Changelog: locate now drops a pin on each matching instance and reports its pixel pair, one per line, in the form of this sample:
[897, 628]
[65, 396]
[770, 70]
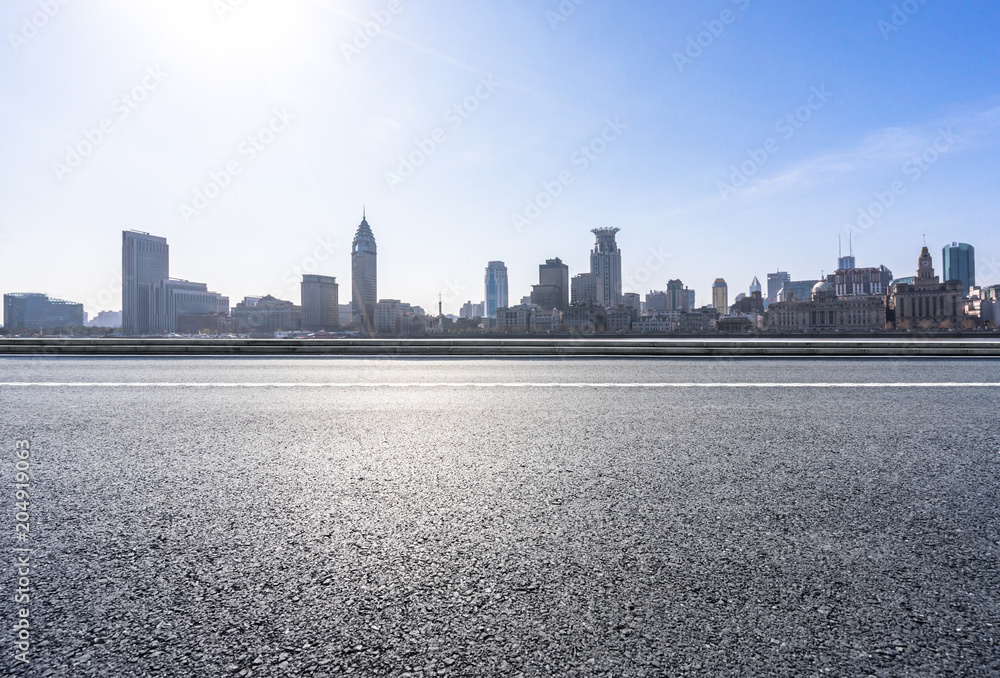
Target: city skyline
[482, 152]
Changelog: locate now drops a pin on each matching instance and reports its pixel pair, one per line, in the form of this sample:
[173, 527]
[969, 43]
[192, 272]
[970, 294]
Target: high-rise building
[633, 301]
[755, 285]
[320, 302]
[33, 311]
[145, 264]
[606, 264]
[496, 288]
[959, 264]
[775, 281]
[677, 296]
[720, 296]
[178, 299]
[554, 273]
[364, 277]
[587, 288]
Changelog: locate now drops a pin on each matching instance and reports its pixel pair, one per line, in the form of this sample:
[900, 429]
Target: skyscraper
[555, 273]
[364, 277]
[959, 264]
[775, 281]
[320, 302]
[606, 264]
[755, 285]
[496, 288]
[720, 296]
[145, 264]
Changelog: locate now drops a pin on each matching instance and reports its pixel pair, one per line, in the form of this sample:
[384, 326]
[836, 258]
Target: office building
[554, 273]
[678, 296]
[364, 276]
[145, 265]
[606, 264]
[33, 311]
[587, 288]
[633, 301]
[755, 286]
[180, 298]
[796, 290]
[720, 296]
[320, 302]
[657, 302]
[495, 284]
[775, 281]
[546, 296]
[959, 263]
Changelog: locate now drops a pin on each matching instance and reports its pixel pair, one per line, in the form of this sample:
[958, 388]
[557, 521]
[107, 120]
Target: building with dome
[826, 312]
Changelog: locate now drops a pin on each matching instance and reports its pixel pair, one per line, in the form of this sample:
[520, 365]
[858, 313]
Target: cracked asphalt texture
[431, 531]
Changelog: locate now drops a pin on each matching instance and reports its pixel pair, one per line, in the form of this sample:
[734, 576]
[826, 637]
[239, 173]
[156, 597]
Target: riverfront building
[364, 277]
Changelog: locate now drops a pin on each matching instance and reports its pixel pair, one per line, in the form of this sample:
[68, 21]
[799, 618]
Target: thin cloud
[886, 147]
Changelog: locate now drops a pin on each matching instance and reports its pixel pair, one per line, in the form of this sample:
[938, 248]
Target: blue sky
[298, 120]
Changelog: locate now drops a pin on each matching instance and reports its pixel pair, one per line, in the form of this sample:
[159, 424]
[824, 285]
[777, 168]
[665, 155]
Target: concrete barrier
[525, 347]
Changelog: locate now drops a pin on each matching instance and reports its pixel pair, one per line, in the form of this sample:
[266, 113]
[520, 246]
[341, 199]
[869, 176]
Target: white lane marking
[515, 384]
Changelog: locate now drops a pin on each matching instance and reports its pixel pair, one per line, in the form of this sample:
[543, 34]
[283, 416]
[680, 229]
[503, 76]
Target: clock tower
[925, 267]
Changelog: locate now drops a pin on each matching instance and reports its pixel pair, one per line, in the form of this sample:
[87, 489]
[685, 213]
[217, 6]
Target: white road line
[649, 385]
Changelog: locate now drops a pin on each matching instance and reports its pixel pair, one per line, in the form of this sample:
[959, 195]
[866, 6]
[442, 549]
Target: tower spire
[363, 216]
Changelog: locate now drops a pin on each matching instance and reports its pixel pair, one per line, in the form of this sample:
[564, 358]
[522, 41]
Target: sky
[725, 138]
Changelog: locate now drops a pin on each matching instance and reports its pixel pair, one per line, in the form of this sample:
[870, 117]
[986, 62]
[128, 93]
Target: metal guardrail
[504, 347]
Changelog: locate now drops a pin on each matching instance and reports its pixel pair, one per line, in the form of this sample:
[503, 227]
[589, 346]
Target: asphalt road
[239, 517]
